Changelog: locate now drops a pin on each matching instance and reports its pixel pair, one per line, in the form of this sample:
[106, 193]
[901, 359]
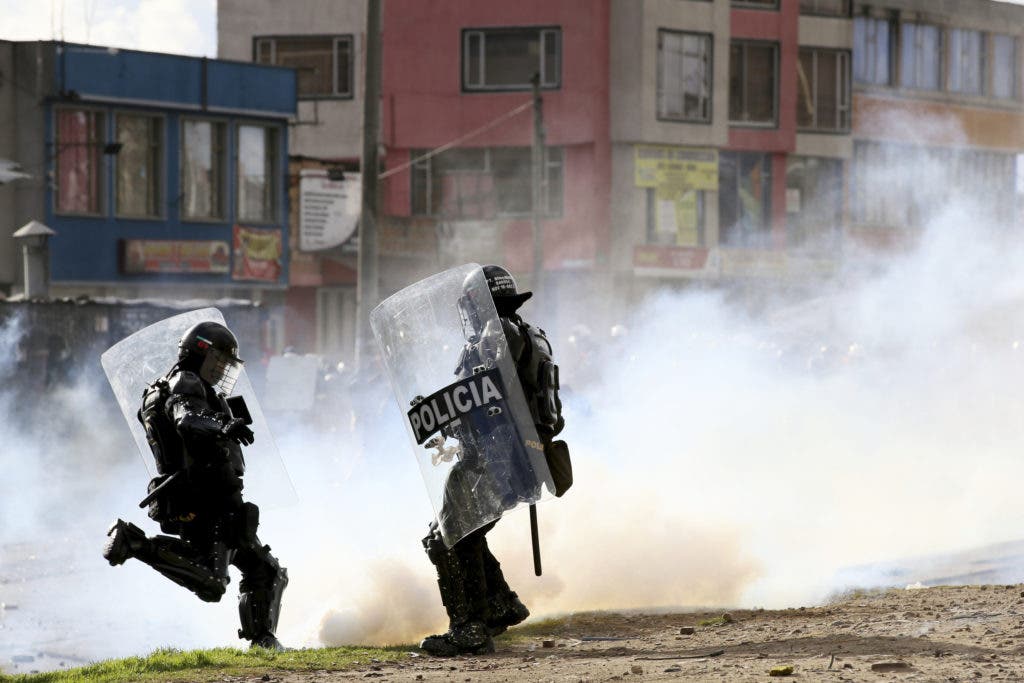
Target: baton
[536, 540]
[155, 492]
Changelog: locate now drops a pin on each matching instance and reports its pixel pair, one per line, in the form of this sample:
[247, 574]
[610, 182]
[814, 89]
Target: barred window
[823, 86]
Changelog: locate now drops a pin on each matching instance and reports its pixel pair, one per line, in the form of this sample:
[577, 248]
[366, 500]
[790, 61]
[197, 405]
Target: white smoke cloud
[722, 456]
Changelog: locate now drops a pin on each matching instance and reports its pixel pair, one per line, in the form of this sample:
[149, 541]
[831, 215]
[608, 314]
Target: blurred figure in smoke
[196, 434]
[477, 598]
[581, 356]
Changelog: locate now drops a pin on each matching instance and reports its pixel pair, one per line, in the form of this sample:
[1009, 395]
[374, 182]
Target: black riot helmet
[211, 350]
[503, 289]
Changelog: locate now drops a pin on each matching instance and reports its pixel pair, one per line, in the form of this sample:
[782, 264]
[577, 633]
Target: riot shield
[465, 411]
[136, 361]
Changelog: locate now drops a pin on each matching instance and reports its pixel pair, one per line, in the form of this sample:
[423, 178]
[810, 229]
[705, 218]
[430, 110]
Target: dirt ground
[932, 634]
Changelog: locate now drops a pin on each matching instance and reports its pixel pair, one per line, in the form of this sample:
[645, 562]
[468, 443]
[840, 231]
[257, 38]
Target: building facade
[474, 94]
[732, 166]
[735, 143]
[163, 176]
[937, 113]
[323, 41]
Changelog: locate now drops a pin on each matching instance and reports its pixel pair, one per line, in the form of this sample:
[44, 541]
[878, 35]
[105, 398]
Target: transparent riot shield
[136, 361]
[465, 412]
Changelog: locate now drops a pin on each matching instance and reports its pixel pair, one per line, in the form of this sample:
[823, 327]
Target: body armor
[538, 374]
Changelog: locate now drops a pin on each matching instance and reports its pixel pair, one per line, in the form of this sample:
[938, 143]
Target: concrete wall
[25, 76]
[324, 128]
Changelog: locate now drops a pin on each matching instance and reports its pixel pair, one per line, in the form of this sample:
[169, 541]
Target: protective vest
[539, 377]
[161, 435]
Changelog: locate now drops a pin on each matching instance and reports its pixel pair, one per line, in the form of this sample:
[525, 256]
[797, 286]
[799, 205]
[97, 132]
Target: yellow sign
[676, 169]
[677, 175]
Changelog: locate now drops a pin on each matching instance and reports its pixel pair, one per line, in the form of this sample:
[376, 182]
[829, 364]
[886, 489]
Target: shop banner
[676, 168]
[175, 256]
[257, 254]
[678, 175]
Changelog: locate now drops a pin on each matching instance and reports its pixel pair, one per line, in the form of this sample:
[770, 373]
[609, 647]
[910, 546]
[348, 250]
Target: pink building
[451, 68]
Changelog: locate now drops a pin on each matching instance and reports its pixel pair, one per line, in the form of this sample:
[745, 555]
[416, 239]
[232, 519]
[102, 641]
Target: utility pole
[367, 284]
[537, 185]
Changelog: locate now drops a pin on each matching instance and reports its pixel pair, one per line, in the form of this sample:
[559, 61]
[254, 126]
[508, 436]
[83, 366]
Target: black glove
[236, 430]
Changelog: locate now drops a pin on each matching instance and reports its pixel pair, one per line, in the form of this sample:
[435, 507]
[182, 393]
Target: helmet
[503, 288]
[211, 350]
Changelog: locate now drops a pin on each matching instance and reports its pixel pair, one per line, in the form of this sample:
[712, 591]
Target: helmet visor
[221, 370]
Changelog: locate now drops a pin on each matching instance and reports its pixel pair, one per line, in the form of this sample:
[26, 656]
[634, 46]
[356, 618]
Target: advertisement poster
[257, 254]
[328, 209]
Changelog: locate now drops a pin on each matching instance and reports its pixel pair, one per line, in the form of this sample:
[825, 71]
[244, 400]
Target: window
[826, 8]
[886, 194]
[872, 40]
[744, 199]
[814, 201]
[202, 169]
[507, 59]
[756, 4]
[679, 221]
[965, 61]
[323, 64]
[823, 84]
[920, 56]
[257, 174]
[1004, 62]
[752, 69]
[79, 161]
[684, 76]
[480, 183]
[138, 179]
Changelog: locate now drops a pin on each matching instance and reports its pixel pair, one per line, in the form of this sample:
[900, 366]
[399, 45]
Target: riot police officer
[479, 602]
[196, 435]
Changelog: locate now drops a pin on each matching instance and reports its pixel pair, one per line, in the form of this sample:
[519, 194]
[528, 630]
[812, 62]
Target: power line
[454, 143]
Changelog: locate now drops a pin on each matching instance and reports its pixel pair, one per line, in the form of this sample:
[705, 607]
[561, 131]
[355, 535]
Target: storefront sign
[651, 259]
[680, 168]
[328, 209]
[257, 254]
[678, 176]
[175, 256]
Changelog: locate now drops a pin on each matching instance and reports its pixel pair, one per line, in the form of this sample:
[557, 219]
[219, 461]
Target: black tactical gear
[195, 438]
[473, 589]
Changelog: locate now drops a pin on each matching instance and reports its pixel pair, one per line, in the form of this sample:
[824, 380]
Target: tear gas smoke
[722, 457]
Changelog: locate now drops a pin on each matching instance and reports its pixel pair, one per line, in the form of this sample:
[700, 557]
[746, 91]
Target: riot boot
[467, 633]
[124, 540]
[172, 557]
[259, 609]
[504, 608]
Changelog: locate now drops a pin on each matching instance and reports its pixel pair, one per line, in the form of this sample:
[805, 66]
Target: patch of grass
[207, 665]
[715, 621]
